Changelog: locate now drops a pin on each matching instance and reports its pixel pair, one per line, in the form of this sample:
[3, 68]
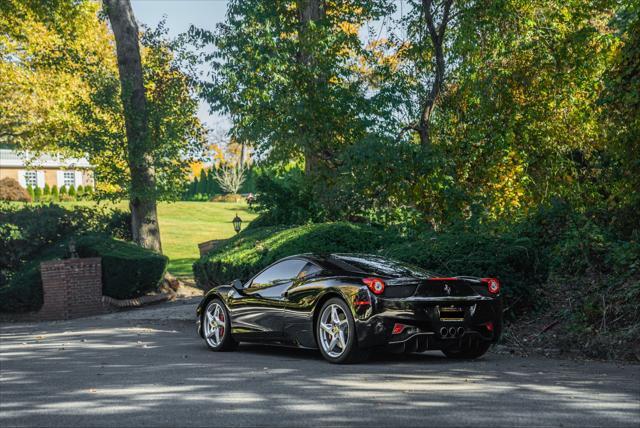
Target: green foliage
[174, 129]
[514, 260]
[54, 192]
[63, 190]
[292, 87]
[26, 230]
[31, 192]
[37, 193]
[206, 186]
[255, 248]
[128, 271]
[72, 191]
[286, 199]
[47, 190]
[554, 242]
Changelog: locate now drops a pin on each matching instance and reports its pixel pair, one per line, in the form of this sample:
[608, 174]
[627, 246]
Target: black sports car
[348, 304]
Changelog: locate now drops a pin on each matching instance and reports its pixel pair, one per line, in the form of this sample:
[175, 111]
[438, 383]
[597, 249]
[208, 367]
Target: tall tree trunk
[142, 199]
[309, 11]
[436, 34]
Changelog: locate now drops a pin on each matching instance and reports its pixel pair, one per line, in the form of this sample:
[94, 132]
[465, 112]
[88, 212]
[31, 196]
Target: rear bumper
[427, 323]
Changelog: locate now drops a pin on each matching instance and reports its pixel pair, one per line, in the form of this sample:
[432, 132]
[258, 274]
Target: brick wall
[72, 288]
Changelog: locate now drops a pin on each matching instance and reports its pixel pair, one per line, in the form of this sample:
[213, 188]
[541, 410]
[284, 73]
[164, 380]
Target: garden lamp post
[237, 223]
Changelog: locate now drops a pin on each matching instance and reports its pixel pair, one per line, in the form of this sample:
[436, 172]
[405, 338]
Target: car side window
[308, 270]
[285, 270]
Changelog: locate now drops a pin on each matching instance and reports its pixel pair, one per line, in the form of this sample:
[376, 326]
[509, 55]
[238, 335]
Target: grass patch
[184, 224]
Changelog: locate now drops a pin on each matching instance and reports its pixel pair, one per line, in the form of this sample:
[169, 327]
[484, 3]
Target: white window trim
[79, 178]
[21, 178]
[40, 181]
[60, 178]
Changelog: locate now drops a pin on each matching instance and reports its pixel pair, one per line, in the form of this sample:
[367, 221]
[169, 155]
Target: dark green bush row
[128, 271]
[513, 260]
[26, 230]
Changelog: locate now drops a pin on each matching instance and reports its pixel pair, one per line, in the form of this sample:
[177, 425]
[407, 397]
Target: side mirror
[237, 284]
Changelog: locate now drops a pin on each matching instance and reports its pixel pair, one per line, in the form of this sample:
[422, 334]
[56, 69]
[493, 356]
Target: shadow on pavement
[125, 372]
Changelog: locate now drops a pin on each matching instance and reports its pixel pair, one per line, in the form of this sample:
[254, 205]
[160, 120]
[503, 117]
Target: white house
[45, 169]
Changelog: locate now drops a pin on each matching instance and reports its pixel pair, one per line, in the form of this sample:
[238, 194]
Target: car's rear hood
[462, 287]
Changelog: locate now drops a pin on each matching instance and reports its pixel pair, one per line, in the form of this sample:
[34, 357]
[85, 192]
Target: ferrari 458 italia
[347, 305]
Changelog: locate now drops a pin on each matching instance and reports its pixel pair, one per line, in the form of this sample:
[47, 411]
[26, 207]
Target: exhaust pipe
[460, 331]
[452, 331]
[443, 332]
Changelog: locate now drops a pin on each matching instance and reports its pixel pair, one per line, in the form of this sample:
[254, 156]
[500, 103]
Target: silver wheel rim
[214, 324]
[334, 331]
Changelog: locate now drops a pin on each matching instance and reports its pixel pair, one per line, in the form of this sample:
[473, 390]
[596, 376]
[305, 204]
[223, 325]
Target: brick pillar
[72, 288]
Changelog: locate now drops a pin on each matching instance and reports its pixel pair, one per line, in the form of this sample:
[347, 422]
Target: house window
[30, 178]
[69, 178]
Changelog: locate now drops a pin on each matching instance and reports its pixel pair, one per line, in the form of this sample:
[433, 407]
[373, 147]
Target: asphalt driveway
[148, 367]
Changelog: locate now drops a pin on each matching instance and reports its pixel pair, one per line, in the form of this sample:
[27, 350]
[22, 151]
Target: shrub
[128, 271]
[47, 190]
[513, 261]
[11, 190]
[253, 249]
[54, 192]
[31, 192]
[286, 199]
[72, 191]
[37, 193]
[25, 230]
[63, 190]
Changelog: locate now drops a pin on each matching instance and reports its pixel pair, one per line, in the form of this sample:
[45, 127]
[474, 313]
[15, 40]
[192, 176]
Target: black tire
[468, 351]
[351, 353]
[226, 342]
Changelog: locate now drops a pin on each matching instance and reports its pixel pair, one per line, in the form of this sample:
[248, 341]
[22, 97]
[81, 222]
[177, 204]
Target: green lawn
[184, 224]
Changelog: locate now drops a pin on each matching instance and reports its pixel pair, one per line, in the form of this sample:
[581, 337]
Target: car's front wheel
[336, 333]
[217, 327]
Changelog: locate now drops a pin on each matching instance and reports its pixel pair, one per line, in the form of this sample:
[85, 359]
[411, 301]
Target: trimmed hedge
[513, 260]
[128, 271]
[26, 230]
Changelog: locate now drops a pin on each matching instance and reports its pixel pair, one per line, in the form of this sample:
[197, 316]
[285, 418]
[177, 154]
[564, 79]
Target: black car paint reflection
[281, 305]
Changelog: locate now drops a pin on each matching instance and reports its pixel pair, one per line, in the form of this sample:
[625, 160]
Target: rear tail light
[376, 285]
[493, 285]
[489, 325]
[398, 328]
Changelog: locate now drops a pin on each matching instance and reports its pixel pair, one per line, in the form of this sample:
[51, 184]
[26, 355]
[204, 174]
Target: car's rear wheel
[468, 351]
[217, 327]
[336, 333]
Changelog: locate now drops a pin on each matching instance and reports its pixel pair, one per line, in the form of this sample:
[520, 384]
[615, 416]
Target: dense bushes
[554, 243]
[31, 234]
[286, 199]
[26, 230]
[513, 260]
[128, 271]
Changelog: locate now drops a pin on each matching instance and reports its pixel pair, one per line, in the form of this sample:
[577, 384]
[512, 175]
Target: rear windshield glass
[376, 265]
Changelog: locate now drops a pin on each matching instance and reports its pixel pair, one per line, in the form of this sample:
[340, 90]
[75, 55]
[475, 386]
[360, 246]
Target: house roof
[13, 158]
